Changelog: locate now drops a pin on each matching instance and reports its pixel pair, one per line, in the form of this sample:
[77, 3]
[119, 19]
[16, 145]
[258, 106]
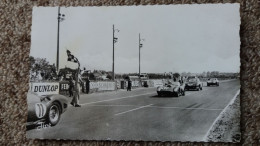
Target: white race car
[171, 88]
[213, 81]
[45, 109]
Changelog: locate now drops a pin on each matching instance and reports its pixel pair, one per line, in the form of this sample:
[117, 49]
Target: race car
[193, 83]
[45, 109]
[213, 81]
[171, 88]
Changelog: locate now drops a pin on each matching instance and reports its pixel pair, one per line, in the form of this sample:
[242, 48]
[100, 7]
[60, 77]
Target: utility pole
[139, 56]
[113, 66]
[140, 46]
[58, 41]
[60, 18]
[114, 41]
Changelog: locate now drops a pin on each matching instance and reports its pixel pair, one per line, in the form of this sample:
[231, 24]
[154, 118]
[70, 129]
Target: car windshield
[193, 80]
[212, 79]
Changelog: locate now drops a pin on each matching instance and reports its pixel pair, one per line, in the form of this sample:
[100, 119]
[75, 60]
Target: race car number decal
[40, 110]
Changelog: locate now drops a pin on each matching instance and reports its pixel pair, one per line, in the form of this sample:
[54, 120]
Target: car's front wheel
[54, 114]
[159, 93]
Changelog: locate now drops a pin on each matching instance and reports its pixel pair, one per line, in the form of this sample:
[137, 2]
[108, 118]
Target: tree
[208, 74]
[92, 76]
[109, 77]
[32, 61]
[40, 66]
[176, 75]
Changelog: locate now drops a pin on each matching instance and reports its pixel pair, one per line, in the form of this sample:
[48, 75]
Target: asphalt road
[141, 115]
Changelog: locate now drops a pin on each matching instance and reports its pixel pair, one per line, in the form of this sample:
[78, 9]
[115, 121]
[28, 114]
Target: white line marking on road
[231, 102]
[133, 109]
[114, 105]
[163, 107]
[117, 98]
[209, 109]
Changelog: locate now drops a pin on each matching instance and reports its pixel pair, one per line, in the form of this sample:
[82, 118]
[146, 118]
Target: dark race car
[193, 83]
[213, 81]
[171, 88]
[45, 109]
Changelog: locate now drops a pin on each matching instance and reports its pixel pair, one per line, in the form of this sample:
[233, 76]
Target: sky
[177, 38]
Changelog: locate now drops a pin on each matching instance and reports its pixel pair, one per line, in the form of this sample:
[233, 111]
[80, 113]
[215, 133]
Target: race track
[142, 115]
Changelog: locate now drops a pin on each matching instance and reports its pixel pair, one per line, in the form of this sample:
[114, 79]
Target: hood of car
[191, 82]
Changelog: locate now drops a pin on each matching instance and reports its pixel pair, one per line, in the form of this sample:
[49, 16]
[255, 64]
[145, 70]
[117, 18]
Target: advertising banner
[45, 88]
[156, 83]
[135, 83]
[102, 86]
[64, 86]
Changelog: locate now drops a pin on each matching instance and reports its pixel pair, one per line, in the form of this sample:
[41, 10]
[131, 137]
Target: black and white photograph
[139, 73]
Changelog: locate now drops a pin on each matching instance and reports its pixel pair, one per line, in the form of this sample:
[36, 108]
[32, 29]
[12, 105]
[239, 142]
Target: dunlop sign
[45, 88]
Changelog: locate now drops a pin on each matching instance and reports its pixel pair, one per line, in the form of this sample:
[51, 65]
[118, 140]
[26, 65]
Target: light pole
[140, 46]
[114, 41]
[61, 17]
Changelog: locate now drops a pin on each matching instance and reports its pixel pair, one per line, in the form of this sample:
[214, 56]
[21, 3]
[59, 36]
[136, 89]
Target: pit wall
[44, 88]
[101, 86]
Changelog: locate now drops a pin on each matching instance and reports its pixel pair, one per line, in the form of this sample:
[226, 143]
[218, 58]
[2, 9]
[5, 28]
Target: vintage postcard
[150, 73]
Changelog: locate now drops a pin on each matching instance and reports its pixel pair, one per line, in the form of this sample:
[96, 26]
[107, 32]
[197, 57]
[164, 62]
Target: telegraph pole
[58, 42]
[60, 18]
[114, 41]
[140, 46]
[139, 55]
[113, 66]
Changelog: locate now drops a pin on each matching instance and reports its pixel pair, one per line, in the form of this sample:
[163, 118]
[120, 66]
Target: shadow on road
[211, 86]
[194, 90]
[30, 127]
[164, 96]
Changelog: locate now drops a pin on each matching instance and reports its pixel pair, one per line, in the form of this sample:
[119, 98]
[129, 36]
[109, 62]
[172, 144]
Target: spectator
[71, 86]
[129, 85]
[87, 85]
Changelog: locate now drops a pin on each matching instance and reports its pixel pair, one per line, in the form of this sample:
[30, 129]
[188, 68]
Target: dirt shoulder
[227, 127]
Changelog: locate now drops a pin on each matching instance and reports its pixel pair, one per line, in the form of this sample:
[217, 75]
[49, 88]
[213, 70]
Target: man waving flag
[78, 80]
[71, 57]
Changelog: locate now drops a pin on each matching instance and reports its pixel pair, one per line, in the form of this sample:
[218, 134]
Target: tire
[207, 84]
[200, 87]
[177, 94]
[53, 115]
[183, 93]
[217, 84]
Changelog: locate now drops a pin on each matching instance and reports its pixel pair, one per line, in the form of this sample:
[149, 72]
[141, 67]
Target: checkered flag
[71, 57]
